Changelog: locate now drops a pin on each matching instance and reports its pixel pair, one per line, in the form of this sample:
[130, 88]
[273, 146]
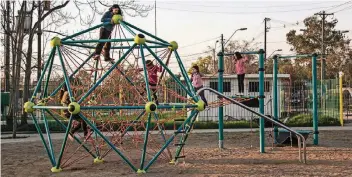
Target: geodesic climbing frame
[114, 99]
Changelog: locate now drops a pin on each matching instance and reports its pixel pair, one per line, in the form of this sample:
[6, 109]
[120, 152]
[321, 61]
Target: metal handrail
[300, 138]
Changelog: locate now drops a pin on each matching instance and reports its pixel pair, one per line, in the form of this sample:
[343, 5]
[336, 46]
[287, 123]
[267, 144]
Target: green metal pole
[51, 57]
[138, 29]
[76, 71]
[98, 40]
[48, 135]
[48, 79]
[160, 128]
[315, 99]
[183, 139]
[108, 142]
[149, 115]
[93, 112]
[77, 140]
[43, 140]
[84, 31]
[171, 73]
[261, 99]
[128, 29]
[159, 43]
[145, 74]
[275, 99]
[106, 74]
[67, 81]
[145, 143]
[220, 89]
[80, 45]
[64, 142]
[193, 113]
[184, 72]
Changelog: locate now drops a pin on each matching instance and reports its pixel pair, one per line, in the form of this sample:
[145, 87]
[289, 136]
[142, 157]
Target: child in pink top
[197, 82]
[239, 63]
[152, 71]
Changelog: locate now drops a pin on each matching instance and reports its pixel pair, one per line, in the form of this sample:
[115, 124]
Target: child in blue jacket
[105, 32]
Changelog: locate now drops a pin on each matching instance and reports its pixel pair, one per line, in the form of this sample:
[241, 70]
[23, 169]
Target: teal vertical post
[64, 143]
[275, 100]
[48, 79]
[43, 140]
[221, 108]
[51, 57]
[315, 99]
[261, 100]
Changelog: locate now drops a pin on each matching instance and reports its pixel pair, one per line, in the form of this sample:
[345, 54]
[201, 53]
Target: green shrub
[307, 120]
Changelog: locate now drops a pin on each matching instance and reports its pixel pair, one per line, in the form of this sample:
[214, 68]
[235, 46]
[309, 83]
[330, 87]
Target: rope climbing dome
[115, 100]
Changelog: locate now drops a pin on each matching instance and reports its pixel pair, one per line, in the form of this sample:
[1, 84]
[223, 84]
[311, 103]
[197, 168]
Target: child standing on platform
[105, 33]
[240, 68]
[197, 82]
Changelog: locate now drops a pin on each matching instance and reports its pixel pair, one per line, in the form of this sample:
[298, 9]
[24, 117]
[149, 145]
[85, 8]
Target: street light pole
[277, 50]
[214, 51]
[240, 29]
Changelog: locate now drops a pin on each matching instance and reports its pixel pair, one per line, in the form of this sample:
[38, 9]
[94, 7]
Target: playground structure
[116, 102]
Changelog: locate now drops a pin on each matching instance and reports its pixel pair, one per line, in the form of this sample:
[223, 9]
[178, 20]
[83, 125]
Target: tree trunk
[27, 77]
[17, 55]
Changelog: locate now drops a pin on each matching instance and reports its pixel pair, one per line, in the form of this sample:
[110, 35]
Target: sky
[195, 25]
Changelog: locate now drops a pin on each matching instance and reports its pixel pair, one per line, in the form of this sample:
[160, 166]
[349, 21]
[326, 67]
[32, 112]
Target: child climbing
[240, 68]
[197, 82]
[153, 78]
[77, 121]
[105, 33]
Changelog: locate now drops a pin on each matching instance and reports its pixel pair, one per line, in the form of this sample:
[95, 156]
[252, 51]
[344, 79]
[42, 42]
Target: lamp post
[214, 50]
[277, 50]
[240, 29]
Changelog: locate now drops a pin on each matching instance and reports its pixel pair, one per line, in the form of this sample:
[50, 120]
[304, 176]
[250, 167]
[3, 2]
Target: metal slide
[300, 138]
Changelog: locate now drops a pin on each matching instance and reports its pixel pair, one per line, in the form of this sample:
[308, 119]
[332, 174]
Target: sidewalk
[58, 136]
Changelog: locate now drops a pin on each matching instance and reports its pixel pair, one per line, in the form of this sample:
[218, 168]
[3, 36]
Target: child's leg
[153, 89]
[107, 46]
[104, 34]
[85, 128]
[242, 83]
[239, 83]
[202, 96]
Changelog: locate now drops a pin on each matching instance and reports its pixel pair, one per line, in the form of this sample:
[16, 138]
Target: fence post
[341, 97]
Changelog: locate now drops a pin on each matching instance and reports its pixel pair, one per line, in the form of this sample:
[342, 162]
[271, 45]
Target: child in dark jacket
[65, 101]
[105, 32]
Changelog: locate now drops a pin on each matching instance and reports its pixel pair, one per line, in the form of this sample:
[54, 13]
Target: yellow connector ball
[56, 170]
[74, 108]
[98, 160]
[139, 171]
[174, 45]
[150, 107]
[28, 107]
[200, 105]
[117, 18]
[172, 162]
[139, 39]
[56, 41]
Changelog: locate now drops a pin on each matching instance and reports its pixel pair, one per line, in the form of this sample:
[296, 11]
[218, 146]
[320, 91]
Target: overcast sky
[198, 24]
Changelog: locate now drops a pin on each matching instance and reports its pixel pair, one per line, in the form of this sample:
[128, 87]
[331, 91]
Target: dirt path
[333, 157]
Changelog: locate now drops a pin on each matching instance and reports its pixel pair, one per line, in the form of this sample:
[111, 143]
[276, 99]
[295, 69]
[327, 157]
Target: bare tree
[22, 54]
